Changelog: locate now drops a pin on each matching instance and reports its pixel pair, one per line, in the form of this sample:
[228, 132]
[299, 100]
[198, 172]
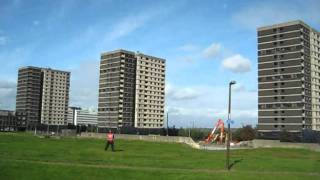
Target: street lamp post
[229, 119]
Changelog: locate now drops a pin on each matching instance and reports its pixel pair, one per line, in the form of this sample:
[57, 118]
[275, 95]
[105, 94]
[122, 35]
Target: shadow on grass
[235, 162]
[118, 150]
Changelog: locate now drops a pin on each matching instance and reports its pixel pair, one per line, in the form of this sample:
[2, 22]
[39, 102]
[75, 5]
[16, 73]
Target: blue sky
[206, 44]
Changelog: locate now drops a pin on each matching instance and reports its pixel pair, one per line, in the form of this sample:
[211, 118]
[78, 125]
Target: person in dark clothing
[110, 141]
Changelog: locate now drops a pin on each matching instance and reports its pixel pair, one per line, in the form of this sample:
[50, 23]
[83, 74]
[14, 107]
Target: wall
[154, 138]
[259, 143]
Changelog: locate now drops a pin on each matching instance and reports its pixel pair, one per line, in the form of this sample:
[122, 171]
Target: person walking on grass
[110, 141]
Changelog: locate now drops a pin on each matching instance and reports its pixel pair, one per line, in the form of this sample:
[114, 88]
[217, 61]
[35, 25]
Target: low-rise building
[78, 116]
[12, 121]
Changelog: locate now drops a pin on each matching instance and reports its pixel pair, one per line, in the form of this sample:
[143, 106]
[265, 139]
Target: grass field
[24, 156]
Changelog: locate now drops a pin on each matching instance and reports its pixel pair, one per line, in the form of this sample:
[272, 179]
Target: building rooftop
[131, 52]
[118, 50]
[153, 57]
[284, 24]
[41, 68]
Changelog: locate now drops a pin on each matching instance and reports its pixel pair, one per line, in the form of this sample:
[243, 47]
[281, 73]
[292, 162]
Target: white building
[78, 116]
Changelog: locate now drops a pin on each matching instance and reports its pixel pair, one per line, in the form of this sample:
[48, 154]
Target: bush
[285, 136]
[246, 133]
[195, 133]
[310, 136]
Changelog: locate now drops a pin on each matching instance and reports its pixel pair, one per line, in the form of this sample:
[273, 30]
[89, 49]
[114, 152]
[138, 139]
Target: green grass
[24, 156]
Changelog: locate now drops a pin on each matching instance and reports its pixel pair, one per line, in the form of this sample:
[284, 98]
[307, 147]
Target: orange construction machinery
[213, 137]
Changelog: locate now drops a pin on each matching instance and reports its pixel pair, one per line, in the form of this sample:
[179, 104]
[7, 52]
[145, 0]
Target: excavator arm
[212, 136]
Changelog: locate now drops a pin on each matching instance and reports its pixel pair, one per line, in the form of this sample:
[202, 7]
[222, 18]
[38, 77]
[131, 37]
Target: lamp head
[232, 82]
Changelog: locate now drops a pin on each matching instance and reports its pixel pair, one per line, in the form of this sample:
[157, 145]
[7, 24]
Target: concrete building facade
[149, 95]
[116, 89]
[315, 77]
[72, 115]
[28, 98]
[78, 116]
[87, 117]
[286, 78]
[131, 90]
[43, 94]
[8, 120]
[55, 96]
[12, 121]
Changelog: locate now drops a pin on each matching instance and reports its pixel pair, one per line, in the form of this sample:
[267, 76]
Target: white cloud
[210, 105]
[58, 13]
[213, 50]
[7, 84]
[195, 53]
[83, 88]
[179, 94]
[206, 118]
[129, 24]
[126, 26]
[188, 47]
[7, 94]
[189, 59]
[266, 13]
[237, 64]
[84, 84]
[239, 88]
[3, 40]
[15, 57]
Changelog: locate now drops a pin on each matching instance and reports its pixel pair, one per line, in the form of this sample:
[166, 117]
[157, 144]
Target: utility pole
[167, 123]
[229, 132]
[48, 129]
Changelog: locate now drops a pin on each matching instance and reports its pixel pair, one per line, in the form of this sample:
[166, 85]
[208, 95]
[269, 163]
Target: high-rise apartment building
[117, 89]
[55, 96]
[149, 95]
[288, 77]
[43, 94]
[131, 90]
[29, 89]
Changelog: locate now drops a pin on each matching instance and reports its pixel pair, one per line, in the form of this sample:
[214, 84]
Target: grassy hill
[24, 156]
